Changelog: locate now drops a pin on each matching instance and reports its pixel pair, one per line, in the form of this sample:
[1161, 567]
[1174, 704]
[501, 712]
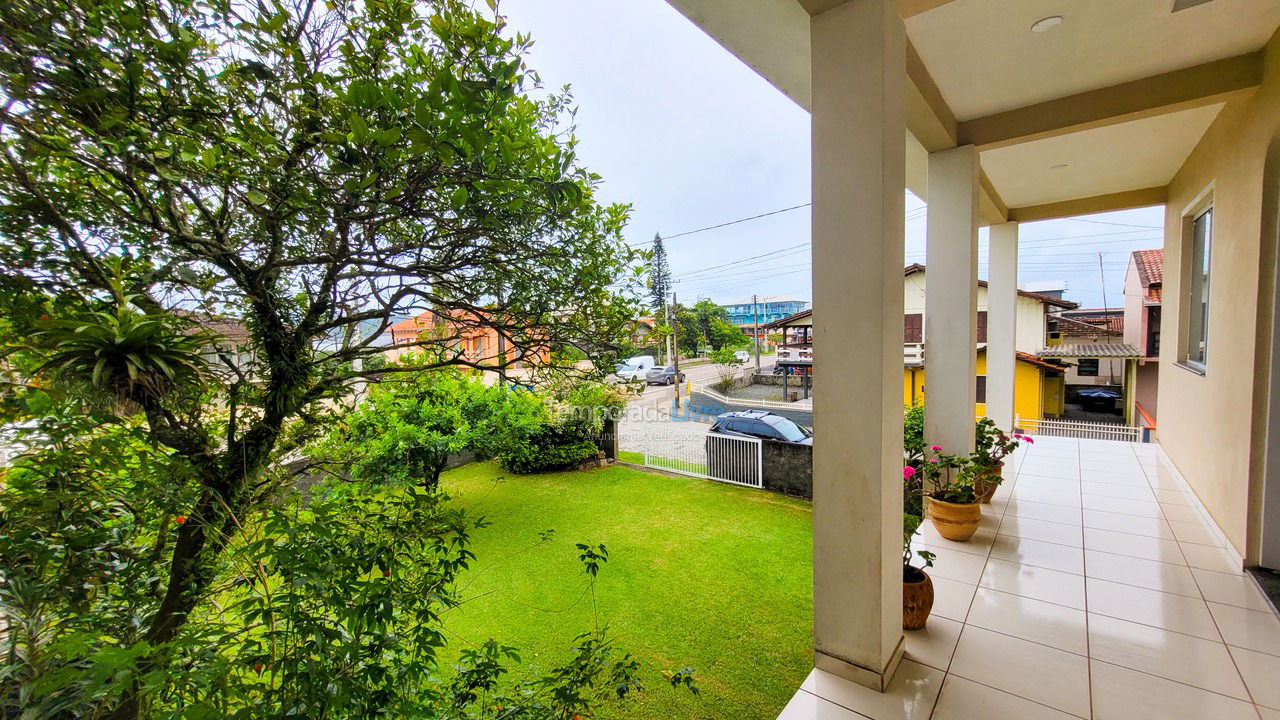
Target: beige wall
[1206, 420]
[1030, 313]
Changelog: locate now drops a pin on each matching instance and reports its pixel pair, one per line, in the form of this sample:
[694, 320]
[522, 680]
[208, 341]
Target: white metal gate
[727, 458]
[1081, 430]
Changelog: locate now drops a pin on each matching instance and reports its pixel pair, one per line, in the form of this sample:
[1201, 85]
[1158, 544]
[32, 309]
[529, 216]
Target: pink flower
[907, 472]
[936, 448]
[1029, 440]
[933, 460]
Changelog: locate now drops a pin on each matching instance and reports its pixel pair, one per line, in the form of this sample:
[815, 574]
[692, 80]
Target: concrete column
[1002, 322]
[859, 179]
[951, 299]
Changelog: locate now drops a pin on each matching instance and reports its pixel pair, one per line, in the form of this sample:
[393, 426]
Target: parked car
[761, 424]
[742, 355]
[634, 368]
[663, 375]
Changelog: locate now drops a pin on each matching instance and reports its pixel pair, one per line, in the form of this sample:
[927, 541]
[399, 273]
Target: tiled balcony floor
[1095, 588]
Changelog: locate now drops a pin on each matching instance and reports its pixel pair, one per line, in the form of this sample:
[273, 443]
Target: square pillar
[951, 299]
[1002, 322]
[859, 182]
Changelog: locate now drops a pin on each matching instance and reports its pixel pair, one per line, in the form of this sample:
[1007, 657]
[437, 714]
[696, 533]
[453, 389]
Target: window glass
[982, 388]
[1088, 367]
[1196, 352]
[762, 429]
[789, 431]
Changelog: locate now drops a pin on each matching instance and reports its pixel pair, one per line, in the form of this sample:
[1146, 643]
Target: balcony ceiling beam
[906, 8]
[1110, 202]
[1184, 89]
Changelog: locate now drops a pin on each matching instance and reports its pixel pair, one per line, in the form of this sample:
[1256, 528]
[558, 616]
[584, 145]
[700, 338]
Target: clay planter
[986, 484]
[953, 521]
[917, 598]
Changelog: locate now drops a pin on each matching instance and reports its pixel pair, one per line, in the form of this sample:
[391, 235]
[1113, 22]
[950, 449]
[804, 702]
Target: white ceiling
[985, 59]
[1129, 156]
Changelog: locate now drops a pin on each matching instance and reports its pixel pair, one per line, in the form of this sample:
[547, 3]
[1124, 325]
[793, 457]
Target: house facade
[1039, 390]
[1143, 296]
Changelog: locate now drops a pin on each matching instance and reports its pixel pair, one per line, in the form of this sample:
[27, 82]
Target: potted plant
[947, 483]
[917, 587]
[991, 446]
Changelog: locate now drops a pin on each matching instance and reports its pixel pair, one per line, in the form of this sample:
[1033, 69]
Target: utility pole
[675, 356]
[755, 331]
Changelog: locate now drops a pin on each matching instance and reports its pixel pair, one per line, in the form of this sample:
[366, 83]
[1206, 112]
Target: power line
[734, 222]
[736, 262]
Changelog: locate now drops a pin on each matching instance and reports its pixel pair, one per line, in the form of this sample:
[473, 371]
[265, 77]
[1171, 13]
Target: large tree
[660, 279]
[312, 172]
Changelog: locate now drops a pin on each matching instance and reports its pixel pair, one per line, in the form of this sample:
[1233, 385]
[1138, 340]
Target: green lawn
[700, 574]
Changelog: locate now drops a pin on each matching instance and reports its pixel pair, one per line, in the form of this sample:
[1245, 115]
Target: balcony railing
[913, 353]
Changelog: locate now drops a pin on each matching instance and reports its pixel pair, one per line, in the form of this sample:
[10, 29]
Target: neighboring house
[1038, 390]
[460, 331]
[1033, 311]
[750, 313]
[644, 326]
[1038, 382]
[1143, 294]
[1102, 370]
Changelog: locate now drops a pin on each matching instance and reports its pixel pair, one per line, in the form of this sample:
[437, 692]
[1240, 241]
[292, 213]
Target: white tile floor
[1095, 588]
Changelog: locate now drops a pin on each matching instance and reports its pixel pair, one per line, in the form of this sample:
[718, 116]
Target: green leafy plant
[992, 445]
[949, 478]
[911, 526]
[129, 354]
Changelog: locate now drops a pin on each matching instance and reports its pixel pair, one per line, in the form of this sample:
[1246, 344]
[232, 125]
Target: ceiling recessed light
[1046, 24]
[1059, 166]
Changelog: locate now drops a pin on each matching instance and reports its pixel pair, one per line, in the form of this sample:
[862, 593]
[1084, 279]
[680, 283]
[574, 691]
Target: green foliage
[991, 444]
[913, 433]
[307, 174]
[405, 430]
[129, 354]
[556, 429]
[329, 605]
[660, 279]
[910, 526]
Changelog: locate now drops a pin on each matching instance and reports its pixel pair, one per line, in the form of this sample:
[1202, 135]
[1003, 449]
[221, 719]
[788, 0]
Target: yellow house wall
[1205, 420]
[1031, 390]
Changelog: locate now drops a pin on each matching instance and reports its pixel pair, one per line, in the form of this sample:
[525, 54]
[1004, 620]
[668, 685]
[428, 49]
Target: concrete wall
[1205, 420]
[787, 468]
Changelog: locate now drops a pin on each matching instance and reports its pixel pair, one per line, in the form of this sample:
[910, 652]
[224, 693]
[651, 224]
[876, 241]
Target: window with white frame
[1196, 283]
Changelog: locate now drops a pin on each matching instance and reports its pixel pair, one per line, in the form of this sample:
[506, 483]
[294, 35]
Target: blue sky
[691, 137]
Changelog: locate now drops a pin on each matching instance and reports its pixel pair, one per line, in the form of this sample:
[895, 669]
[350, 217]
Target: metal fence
[1081, 430]
[726, 458]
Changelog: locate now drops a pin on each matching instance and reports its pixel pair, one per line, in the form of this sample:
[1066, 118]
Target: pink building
[1143, 284]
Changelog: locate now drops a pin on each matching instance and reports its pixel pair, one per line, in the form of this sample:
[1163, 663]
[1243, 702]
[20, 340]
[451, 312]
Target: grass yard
[700, 574]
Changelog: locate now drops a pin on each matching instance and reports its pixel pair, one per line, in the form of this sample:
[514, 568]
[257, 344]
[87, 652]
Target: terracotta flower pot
[917, 598]
[986, 484]
[955, 521]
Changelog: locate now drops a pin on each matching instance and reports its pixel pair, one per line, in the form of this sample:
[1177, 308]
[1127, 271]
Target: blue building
[765, 309]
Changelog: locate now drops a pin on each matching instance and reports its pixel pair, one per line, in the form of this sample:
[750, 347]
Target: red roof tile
[1150, 266]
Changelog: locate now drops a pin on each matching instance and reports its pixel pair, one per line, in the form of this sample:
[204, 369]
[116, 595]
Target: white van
[742, 355]
[634, 368]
